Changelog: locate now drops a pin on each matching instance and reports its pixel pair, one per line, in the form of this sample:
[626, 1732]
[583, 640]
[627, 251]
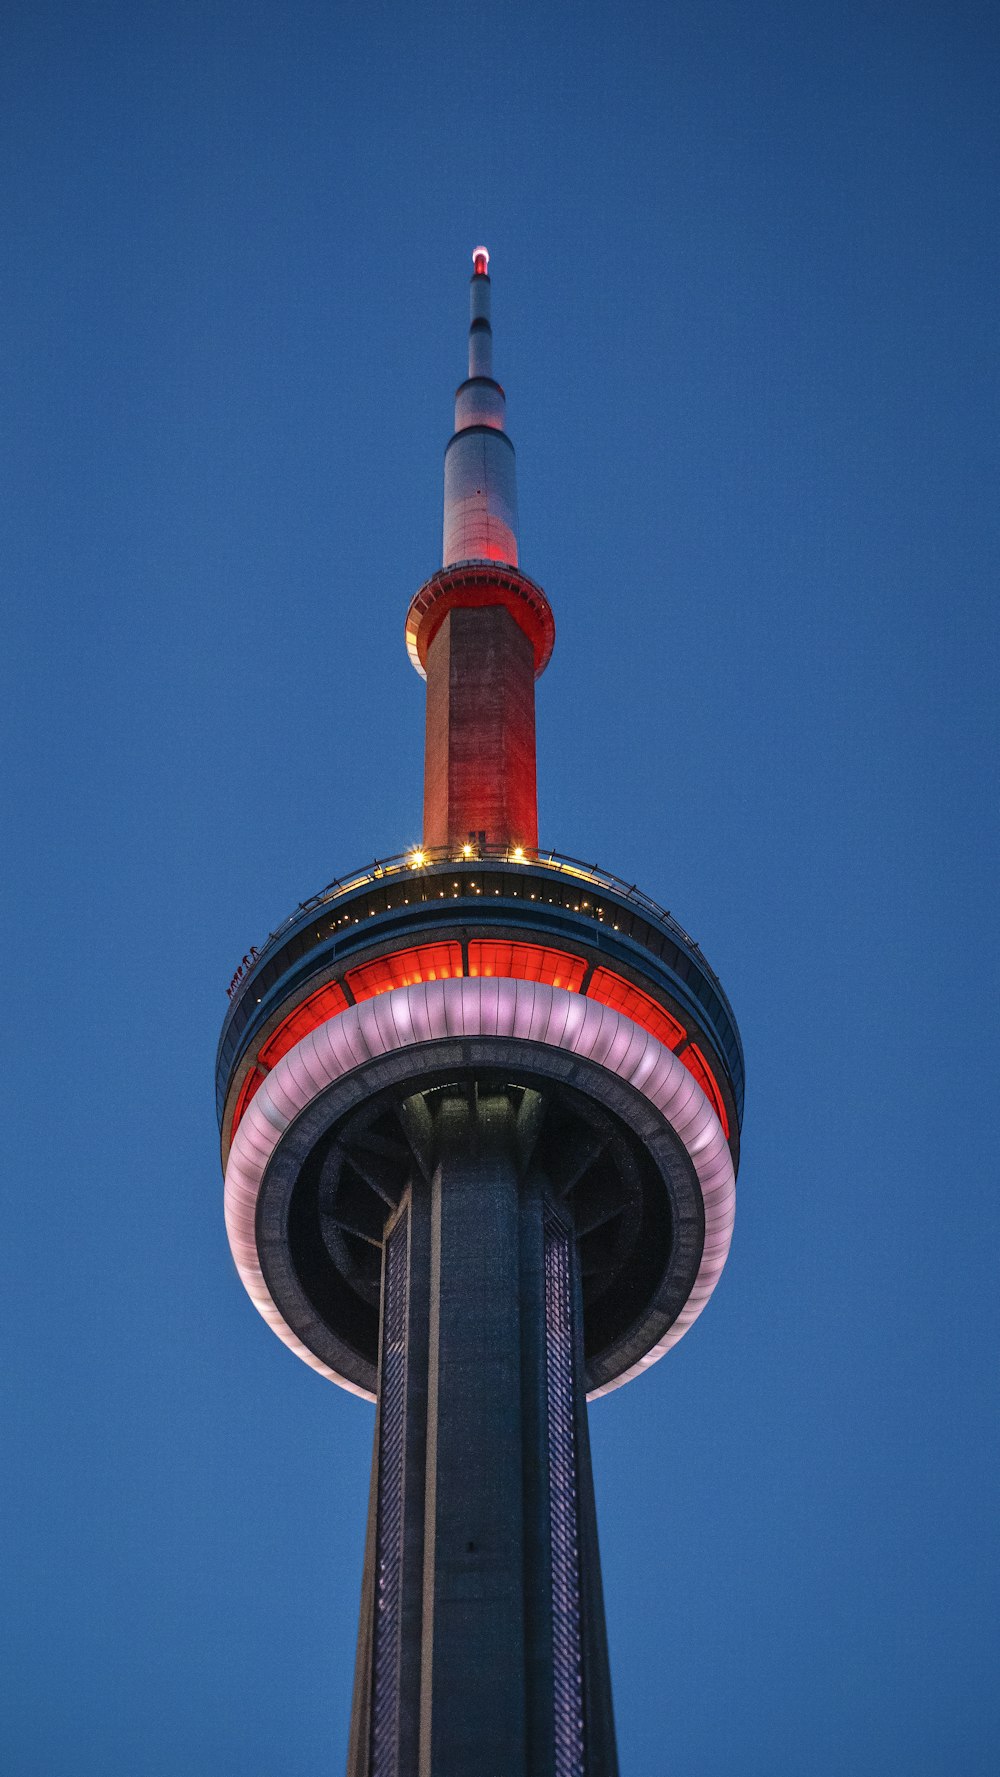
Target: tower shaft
[479, 761]
[481, 1645]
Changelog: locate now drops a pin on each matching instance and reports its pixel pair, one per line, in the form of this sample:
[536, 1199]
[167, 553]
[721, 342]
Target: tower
[480, 1108]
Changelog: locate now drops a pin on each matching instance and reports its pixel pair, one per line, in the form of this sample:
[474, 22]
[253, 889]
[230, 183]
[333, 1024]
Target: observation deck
[502, 960]
[414, 898]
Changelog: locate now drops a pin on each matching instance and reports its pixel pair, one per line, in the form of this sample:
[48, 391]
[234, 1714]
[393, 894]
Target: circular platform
[628, 1143]
[477, 583]
[423, 917]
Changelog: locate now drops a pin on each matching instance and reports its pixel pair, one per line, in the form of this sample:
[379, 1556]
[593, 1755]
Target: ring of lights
[533, 1013]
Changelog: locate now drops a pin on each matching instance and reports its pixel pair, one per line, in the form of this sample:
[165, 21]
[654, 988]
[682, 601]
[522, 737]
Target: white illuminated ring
[483, 1007]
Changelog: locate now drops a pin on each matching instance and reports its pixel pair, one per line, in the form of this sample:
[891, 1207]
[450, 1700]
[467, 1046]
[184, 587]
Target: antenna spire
[480, 482]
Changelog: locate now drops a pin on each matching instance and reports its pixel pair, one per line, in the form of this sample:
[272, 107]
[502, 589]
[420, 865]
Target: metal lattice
[567, 1651]
[389, 1527]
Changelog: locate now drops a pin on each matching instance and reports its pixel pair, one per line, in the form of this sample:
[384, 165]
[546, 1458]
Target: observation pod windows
[442, 961]
[527, 962]
[610, 990]
[405, 968]
[324, 1004]
[255, 1078]
[315, 1010]
[696, 1065]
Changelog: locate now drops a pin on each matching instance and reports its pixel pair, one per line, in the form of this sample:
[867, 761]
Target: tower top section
[479, 631]
[480, 544]
[478, 962]
[480, 483]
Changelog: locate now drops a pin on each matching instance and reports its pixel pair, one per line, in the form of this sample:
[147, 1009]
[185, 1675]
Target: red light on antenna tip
[481, 261]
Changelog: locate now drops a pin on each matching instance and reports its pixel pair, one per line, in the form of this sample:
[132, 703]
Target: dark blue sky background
[745, 269]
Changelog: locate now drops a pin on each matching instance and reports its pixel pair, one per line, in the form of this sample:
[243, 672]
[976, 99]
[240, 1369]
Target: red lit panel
[426, 962]
[621, 996]
[696, 1064]
[254, 1079]
[320, 1006]
[527, 962]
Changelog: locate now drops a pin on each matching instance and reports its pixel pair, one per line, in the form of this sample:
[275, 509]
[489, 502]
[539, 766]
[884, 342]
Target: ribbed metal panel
[567, 1650]
[389, 1532]
[481, 351]
[480, 498]
[479, 402]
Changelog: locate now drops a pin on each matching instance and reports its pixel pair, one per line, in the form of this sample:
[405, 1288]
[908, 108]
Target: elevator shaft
[482, 1645]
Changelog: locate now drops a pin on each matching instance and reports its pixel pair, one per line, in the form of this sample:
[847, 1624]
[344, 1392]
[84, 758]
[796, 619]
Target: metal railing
[421, 858]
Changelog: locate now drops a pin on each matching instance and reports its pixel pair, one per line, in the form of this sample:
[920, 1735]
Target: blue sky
[745, 273]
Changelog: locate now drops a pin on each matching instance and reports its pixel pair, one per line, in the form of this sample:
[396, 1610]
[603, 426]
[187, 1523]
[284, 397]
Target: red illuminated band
[401, 968]
[698, 1067]
[254, 1079]
[526, 962]
[325, 1003]
[489, 958]
[611, 990]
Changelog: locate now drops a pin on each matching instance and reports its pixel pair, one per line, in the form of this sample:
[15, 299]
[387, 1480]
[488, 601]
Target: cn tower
[480, 1107]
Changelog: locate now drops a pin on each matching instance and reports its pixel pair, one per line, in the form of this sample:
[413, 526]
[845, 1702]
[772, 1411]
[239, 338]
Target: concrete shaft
[482, 1642]
[479, 760]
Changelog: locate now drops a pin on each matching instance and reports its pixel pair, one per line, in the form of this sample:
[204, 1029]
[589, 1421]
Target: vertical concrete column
[475, 1698]
[601, 1746]
[479, 760]
[456, 1673]
[402, 1495]
[537, 1538]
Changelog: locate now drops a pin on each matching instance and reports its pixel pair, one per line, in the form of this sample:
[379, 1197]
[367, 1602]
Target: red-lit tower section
[480, 631]
[480, 1108]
